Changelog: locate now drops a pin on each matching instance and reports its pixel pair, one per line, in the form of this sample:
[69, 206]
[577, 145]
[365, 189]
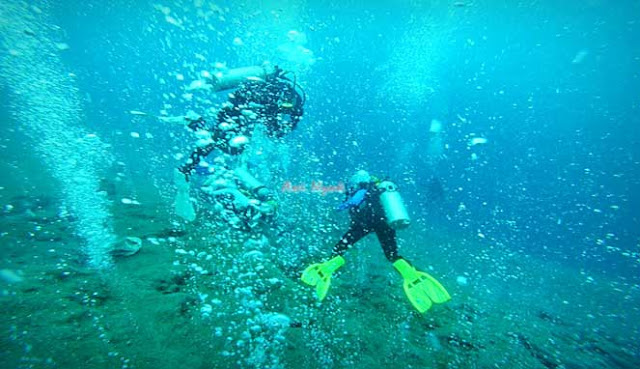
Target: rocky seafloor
[205, 297]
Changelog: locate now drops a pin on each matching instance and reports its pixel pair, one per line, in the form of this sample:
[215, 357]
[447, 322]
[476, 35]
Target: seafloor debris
[127, 247]
[537, 352]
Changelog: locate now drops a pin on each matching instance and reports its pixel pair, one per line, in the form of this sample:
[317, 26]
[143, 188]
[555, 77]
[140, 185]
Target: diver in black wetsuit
[268, 101]
[261, 97]
[376, 206]
[367, 215]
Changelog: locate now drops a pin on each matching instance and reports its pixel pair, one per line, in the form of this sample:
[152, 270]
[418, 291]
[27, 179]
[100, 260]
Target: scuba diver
[376, 206]
[264, 95]
[238, 199]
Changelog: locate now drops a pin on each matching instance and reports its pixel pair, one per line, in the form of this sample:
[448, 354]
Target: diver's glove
[205, 170]
[194, 121]
[183, 206]
[354, 201]
[269, 208]
[319, 275]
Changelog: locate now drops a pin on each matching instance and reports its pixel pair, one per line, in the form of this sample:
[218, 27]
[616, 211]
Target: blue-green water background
[536, 238]
[563, 137]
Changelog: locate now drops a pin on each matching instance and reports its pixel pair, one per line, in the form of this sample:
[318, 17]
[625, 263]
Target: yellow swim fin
[319, 275]
[422, 289]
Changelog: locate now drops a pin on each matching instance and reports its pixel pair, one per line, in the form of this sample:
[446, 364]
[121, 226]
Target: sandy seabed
[196, 297]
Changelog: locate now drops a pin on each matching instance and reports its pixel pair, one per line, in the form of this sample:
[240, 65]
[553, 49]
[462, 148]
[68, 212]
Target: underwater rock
[544, 357]
[28, 205]
[434, 341]
[461, 342]
[612, 356]
[544, 315]
[170, 232]
[9, 276]
[108, 186]
[127, 247]
[173, 285]
[275, 321]
[188, 303]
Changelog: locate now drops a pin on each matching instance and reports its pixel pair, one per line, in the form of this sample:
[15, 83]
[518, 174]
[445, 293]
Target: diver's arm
[180, 119]
[354, 200]
[192, 120]
[195, 157]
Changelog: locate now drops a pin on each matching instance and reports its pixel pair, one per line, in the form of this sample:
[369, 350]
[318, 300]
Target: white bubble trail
[46, 104]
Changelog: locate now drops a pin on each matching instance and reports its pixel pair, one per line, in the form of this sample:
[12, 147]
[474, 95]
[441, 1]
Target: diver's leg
[387, 237]
[355, 233]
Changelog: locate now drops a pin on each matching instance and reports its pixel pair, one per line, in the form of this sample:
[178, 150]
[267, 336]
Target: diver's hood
[361, 176]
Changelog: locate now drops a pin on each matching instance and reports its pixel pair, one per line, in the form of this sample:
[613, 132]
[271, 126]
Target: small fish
[136, 112]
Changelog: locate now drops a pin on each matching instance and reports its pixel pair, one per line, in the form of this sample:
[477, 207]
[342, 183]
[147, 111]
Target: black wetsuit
[255, 101]
[366, 218]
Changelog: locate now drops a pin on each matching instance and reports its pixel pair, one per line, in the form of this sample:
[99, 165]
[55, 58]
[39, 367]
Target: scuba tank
[394, 209]
[266, 203]
[248, 181]
[232, 78]
[252, 184]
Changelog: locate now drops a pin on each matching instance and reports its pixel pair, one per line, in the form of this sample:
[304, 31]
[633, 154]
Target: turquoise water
[511, 129]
